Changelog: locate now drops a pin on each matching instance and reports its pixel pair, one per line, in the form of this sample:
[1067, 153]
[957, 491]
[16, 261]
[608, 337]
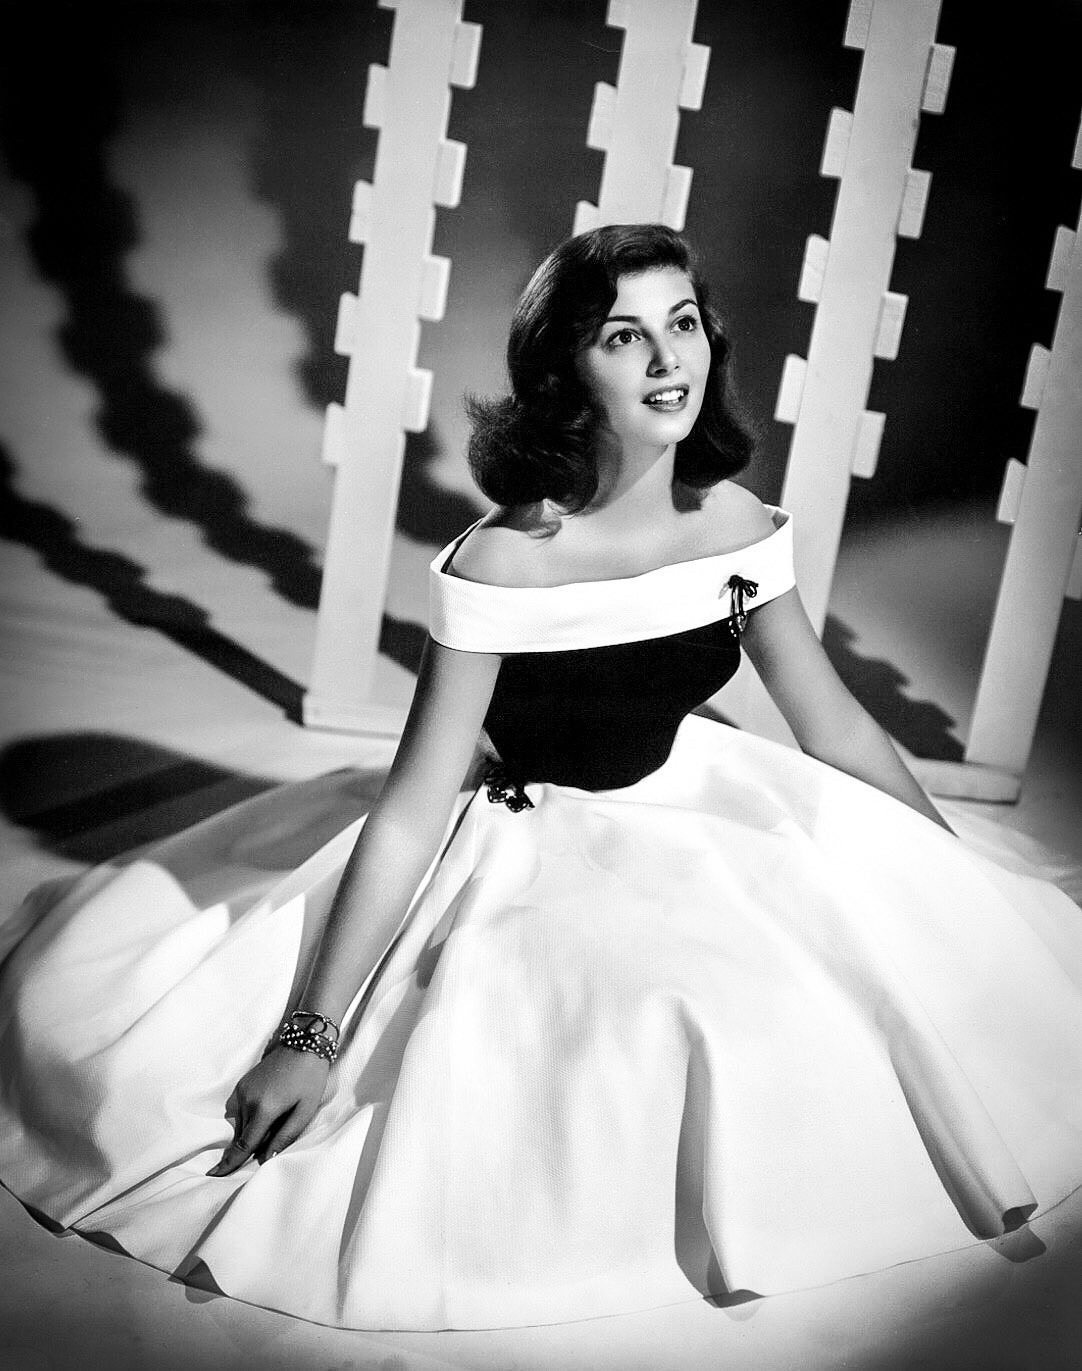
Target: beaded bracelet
[308, 1039]
[315, 1014]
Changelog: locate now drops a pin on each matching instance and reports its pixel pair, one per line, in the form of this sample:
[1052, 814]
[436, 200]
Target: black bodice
[598, 718]
[596, 676]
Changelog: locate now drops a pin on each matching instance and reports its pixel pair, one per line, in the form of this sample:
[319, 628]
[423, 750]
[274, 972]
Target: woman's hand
[272, 1104]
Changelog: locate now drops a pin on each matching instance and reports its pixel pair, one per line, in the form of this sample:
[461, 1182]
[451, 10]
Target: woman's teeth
[666, 397]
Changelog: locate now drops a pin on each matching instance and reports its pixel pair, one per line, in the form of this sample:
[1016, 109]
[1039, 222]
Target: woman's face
[648, 366]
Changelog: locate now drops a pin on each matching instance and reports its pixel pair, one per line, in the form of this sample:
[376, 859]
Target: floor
[69, 1305]
[151, 674]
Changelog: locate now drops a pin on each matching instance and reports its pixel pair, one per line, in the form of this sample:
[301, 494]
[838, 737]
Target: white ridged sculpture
[881, 196]
[636, 122]
[417, 168]
[1043, 501]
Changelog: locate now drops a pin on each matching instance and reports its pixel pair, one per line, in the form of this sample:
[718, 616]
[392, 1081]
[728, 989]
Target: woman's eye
[687, 323]
[621, 338]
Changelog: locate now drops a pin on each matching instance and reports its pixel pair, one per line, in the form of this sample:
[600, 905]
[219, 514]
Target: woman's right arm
[401, 835]
[275, 1101]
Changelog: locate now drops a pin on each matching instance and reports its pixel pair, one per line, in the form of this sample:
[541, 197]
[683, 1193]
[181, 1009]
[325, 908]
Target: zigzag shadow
[310, 149]
[84, 230]
[121, 583]
[92, 796]
[311, 200]
[96, 797]
[919, 725]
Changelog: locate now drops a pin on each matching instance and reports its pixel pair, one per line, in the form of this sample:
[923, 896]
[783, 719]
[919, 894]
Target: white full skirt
[747, 1025]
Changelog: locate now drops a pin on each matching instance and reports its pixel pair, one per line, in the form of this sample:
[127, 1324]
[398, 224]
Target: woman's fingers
[272, 1105]
[242, 1147]
[288, 1130]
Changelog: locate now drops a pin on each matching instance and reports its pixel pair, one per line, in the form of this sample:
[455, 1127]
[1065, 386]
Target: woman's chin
[671, 426]
[653, 429]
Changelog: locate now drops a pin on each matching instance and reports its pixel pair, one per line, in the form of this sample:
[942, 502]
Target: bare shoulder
[506, 548]
[736, 517]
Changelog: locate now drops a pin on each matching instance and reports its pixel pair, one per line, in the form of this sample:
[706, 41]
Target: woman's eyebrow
[635, 319]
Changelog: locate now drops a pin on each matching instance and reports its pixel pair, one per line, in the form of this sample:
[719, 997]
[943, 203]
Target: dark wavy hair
[537, 443]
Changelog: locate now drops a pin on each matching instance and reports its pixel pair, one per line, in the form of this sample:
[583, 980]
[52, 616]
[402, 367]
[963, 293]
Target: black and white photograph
[541, 651]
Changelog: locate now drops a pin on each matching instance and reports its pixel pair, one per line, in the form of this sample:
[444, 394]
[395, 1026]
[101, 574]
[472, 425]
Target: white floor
[114, 731]
[67, 1306]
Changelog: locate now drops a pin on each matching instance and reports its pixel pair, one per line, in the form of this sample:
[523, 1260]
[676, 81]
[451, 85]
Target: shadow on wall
[140, 792]
[754, 147]
[201, 822]
[919, 725]
[85, 227]
[428, 513]
[122, 584]
[310, 66]
[527, 164]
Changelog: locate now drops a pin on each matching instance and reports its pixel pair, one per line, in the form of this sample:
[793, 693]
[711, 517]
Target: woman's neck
[634, 486]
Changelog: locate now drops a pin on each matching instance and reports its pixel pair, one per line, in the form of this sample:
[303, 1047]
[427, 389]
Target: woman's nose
[663, 358]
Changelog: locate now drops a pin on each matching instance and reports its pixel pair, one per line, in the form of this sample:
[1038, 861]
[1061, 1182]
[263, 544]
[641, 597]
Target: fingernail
[215, 1170]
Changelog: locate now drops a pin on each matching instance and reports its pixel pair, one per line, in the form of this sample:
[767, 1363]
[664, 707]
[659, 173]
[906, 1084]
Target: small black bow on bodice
[741, 590]
[502, 790]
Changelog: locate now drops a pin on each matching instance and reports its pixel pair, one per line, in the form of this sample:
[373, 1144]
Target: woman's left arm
[826, 720]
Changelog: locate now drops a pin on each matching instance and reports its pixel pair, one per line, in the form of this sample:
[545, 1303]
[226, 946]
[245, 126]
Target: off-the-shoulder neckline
[780, 516]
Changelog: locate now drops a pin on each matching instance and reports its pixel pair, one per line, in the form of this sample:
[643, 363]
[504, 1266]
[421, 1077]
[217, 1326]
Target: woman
[659, 1009]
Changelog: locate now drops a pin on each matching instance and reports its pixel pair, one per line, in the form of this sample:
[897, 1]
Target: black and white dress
[677, 1011]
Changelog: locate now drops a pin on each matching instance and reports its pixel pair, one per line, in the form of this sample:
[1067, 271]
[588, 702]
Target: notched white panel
[696, 64]
[375, 97]
[836, 147]
[416, 400]
[888, 335]
[816, 250]
[914, 202]
[465, 55]
[937, 78]
[1059, 267]
[334, 435]
[1036, 374]
[435, 276]
[602, 114]
[868, 440]
[791, 390]
[618, 14]
[858, 24]
[674, 206]
[360, 217]
[450, 168]
[1010, 492]
[345, 329]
